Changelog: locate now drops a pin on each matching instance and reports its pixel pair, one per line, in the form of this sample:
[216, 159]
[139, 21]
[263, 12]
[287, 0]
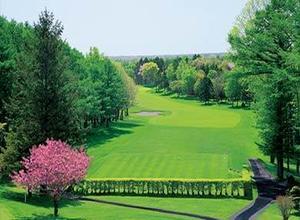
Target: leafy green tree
[161, 80]
[128, 91]
[188, 74]
[129, 67]
[177, 86]
[204, 89]
[150, 73]
[13, 36]
[233, 88]
[105, 93]
[22, 121]
[218, 81]
[171, 73]
[110, 92]
[262, 47]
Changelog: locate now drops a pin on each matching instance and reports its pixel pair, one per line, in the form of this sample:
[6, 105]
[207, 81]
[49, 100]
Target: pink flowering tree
[54, 166]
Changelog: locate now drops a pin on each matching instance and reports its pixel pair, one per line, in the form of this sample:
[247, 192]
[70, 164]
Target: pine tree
[263, 48]
[40, 106]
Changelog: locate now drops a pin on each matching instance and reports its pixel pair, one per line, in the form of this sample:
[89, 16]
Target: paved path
[268, 188]
[185, 214]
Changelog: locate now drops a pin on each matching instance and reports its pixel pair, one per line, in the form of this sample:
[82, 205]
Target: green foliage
[182, 75]
[51, 90]
[171, 74]
[188, 75]
[105, 91]
[263, 47]
[177, 86]
[150, 73]
[2, 135]
[233, 88]
[203, 89]
[39, 107]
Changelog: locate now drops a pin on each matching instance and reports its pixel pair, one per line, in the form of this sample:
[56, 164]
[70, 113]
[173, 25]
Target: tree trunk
[55, 203]
[122, 115]
[280, 121]
[107, 120]
[298, 165]
[29, 193]
[272, 158]
[280, 165]
[94, 122]
[117, 115]
[85, 124]
[288, 162]
[126, 112]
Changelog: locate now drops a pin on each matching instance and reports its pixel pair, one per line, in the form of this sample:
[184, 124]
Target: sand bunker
[148, 113]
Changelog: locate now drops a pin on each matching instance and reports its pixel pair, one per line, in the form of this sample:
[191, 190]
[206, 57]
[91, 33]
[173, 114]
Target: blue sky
[137, 27]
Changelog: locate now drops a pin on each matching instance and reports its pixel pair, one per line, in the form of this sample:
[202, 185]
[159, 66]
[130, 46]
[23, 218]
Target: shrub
[286, 205]
[166, 187]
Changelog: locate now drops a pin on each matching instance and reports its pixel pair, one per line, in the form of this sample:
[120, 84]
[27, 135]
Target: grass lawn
[188, 140]
[12, 200]
[272, 212]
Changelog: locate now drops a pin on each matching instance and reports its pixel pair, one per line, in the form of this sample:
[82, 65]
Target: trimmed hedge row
[240, 188]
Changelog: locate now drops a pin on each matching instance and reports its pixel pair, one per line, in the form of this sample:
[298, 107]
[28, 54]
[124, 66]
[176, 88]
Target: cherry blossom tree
[53, 166]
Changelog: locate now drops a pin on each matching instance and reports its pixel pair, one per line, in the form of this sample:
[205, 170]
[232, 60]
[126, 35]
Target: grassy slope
[188, 141]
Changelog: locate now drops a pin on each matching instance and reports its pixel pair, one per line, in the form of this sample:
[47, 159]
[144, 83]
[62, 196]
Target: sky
[137, 27]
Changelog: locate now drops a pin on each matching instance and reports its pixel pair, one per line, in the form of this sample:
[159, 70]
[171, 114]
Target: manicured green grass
[188, 140]
[272, 212]
[12, 199]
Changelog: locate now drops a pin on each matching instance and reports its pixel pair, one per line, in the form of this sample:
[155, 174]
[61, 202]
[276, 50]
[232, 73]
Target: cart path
[268, 189]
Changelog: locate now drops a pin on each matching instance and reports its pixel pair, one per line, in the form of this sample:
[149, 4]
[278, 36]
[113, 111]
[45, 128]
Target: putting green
[186, 140]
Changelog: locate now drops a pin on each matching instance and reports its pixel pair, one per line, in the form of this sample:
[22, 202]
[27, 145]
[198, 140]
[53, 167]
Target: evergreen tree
[40, 106]
[52, 105]
[6, 68]
[263, 48]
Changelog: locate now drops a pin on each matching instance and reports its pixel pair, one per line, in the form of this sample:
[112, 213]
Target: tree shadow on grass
[240, 107]
[103, 135]
[188, 98]
[36, 200]
[46, 217]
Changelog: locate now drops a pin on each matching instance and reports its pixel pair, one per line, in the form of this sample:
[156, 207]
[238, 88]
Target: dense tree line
[50, 90]
[265, 48]
[206, 78]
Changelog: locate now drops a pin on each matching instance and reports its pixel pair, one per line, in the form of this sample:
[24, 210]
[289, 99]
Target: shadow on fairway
[189, 98]
[102, 135]
[36, 200]
[46, 217]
